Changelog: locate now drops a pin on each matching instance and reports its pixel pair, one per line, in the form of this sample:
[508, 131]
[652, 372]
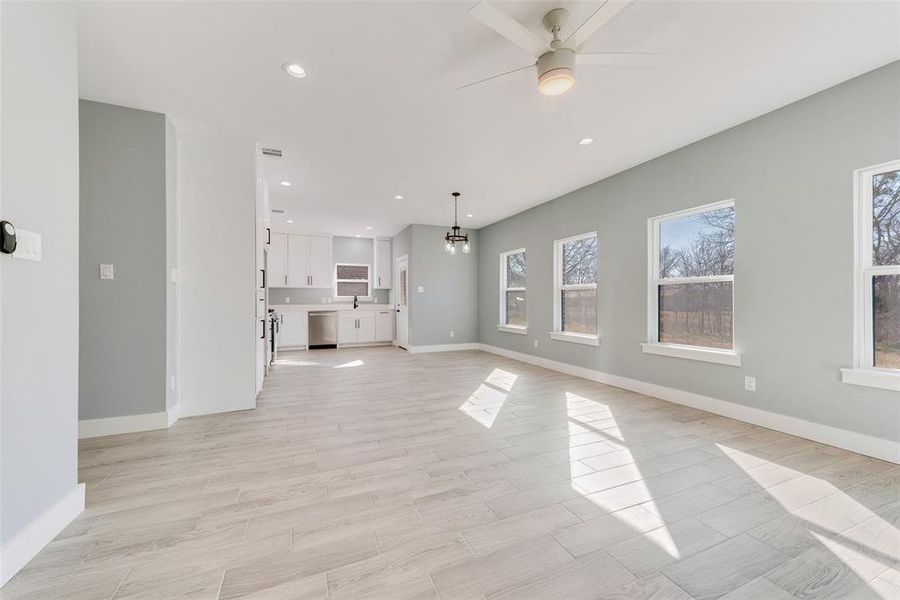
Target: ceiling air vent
[271, 152]
[278, 211]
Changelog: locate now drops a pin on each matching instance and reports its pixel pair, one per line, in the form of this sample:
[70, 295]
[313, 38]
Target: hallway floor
[372, 473]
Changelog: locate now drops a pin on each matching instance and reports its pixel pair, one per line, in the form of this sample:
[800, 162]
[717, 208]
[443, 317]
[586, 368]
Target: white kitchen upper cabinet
[277, 265]
[384, 326]
[383, 266]
[293, 329]
[365, 327]
[321, 265]
[298, 261]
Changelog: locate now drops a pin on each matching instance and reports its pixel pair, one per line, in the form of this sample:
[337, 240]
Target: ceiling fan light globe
[556, 82]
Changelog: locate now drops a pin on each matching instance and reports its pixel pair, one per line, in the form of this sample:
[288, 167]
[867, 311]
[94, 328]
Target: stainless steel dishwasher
[322, 329]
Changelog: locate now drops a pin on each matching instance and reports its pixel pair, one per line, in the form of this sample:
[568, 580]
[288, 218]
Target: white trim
[442, 348]
[518, 329]
[654, 280]
[886, 379]
[712, 355]
[880, 448]
[577, 338]
[503, 289]
[91, 428]
[558, 287]
[17, 552]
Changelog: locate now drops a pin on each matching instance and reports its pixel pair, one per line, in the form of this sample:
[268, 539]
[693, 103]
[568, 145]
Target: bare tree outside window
[886, 254]
[577, 285]
[515, 278]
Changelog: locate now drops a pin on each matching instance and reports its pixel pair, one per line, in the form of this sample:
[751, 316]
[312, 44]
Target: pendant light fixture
[451, 239]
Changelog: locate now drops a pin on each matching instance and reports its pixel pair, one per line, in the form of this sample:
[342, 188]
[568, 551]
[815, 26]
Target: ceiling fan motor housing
[556, 66]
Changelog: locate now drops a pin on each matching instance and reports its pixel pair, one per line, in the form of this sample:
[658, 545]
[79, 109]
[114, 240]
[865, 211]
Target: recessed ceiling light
[290, 220]
[586, 141]
[470, 215]
[294, 70]
[286, 183]
[369, 227]
[398, 197]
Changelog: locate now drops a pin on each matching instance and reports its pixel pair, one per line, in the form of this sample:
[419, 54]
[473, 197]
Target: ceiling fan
[556, 60]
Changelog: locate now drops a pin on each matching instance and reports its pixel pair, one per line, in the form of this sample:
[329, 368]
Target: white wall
[39, 493]
[217, 216]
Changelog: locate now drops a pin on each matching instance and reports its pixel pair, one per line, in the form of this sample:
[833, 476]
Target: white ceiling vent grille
[274, 152]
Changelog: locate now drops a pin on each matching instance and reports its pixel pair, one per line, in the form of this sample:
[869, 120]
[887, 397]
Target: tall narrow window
[351, 280]
[691, 299]
[877, 293]
[513, 279]
[575, 289]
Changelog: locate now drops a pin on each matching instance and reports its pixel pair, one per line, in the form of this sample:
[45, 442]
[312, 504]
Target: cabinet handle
[268, 235]
[264, 278]
[263, 336]
[285, 280]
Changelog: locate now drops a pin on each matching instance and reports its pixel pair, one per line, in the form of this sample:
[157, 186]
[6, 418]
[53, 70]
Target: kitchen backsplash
[315, 296]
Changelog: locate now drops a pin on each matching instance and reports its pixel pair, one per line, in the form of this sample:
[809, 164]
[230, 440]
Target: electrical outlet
[452, 334]
[287, 299]
[535, 343]
[420, 289]
[750, 383]
[107, 272]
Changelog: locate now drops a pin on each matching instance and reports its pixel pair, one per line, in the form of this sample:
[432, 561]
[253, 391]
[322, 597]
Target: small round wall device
[7, 237]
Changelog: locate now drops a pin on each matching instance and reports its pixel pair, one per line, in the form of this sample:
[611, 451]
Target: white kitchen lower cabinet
[293, 330]
[384, 326]
[360, 327]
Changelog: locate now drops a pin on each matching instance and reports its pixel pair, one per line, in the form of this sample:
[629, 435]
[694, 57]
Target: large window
[513, 278]
[351, 280]
[575, 289]
[691, 300]
[877, 279]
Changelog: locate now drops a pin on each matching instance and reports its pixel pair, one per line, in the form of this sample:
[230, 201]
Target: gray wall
[171, 263]
[790, 173]
[354, 250]
[38, 300]
[123, 322]
[449, 302]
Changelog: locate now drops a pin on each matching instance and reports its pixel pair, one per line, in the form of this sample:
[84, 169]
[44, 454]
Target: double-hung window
[691, 284]
[351, 280]
[575, 290]
[877, 278]
[513, 280]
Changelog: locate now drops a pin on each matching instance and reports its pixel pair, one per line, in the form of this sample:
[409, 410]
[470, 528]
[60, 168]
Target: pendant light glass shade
[450, 239]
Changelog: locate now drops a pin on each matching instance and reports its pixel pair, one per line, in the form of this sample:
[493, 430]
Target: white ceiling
[377, 116]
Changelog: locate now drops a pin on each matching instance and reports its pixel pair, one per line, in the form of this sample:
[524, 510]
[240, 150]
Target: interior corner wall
[124, 205]
[217, 312]
[449, 284]
[38, 300]
[790, 173]
[172, 321]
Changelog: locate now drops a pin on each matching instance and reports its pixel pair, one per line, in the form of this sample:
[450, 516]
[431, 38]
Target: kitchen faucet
[355, 301]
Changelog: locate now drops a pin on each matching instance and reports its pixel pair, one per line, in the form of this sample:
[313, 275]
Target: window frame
[568, 336]
[502, 325]
[368, 280]
[653, 345]
[864, 371]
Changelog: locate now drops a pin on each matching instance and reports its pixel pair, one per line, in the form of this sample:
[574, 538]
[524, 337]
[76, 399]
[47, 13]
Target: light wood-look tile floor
[372, 473]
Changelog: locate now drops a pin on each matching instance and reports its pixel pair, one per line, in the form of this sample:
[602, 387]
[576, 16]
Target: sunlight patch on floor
[487, 400]
[291, 362]
[352, 363]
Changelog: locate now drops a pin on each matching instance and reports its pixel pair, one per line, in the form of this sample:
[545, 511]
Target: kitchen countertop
[337, 306]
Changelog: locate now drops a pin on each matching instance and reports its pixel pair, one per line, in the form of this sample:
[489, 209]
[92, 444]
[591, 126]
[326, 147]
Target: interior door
[403, 302]
[298, 261]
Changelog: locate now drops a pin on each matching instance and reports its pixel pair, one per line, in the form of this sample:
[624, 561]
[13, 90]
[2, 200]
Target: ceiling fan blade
[601, 16]
[501, 76]
[624, 59]
[509, 28]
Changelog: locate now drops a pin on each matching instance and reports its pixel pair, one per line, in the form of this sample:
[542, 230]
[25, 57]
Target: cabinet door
[383, 264]
[293, 330]
[298, 261]
[277, 271]
[365, 332]
[320, 263]
[384, 326]
[347, 329]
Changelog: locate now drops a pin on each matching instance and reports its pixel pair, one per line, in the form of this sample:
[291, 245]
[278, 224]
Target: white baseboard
[16, 553]
[91, 428]
[443, 348]
[841, 438]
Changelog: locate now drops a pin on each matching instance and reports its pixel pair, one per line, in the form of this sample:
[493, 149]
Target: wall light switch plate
[173, 275]
[28, 245]
[420, 289]
[750, 383]
[535, 343]
[452, 334]
[107, 272]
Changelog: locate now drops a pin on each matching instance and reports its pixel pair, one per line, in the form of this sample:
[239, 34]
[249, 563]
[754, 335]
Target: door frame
[401, 258]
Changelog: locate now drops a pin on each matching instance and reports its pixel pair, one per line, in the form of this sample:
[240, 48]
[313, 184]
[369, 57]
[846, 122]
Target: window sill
[721, 357]
[513, 329]
[877, 378]
[577, 338]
